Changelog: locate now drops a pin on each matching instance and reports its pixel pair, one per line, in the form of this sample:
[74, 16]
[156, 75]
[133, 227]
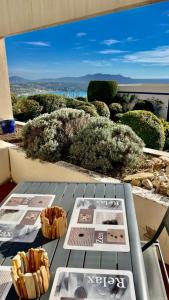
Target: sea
[71, 94]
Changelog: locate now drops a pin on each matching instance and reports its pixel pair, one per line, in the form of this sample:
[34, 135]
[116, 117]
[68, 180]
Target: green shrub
[85, 106]
[144, 105]
[14, 99]
[117, 117]
[49, 136]
[89, 110]
[58, 103]
[103, 145]
[166, 132]
[115, 108]
[102, 90]
[147, 126]
[49, 102]
[126, 100]
[80, 98]
[26, 109]
[158, 104]
[73, 103]
[153, 105]
[102, 108]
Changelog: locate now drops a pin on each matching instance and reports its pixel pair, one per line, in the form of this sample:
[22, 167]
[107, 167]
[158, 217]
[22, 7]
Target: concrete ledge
[156, 152]
[5, 172]
[26, 169]
[20, 124]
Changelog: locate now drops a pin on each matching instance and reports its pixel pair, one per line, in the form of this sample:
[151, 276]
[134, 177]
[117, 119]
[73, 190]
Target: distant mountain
[18, 79]
[86, 78]
[100, 76]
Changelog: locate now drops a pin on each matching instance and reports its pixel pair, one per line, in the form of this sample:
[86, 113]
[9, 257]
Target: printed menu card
[20, 216]
[98, 224]
[74, 284]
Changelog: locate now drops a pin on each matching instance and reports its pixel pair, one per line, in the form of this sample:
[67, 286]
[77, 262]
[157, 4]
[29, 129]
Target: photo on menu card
[98, 224]
[19, 224]
[10, 216]
[74, 284]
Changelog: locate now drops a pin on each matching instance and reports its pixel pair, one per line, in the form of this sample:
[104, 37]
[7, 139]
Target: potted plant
[8, 126]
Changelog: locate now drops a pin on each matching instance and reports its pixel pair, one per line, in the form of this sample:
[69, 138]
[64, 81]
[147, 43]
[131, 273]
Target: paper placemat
[74, 284]
[98, 224]
[20, 216]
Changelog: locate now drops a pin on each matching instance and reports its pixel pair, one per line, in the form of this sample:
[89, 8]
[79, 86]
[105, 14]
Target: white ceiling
[17, 16]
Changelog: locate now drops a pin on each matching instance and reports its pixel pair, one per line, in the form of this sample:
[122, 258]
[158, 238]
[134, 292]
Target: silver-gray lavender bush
[103, 145]
[48, 137]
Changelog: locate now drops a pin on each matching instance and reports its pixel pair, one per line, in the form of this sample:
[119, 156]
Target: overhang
[18, 16]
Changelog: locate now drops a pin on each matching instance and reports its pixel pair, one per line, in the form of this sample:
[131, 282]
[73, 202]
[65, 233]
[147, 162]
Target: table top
[65, 195]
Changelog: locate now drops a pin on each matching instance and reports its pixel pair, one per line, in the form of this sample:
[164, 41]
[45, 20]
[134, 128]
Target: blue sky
[132, 43]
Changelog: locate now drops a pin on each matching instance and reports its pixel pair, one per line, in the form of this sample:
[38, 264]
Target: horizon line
[90, 74]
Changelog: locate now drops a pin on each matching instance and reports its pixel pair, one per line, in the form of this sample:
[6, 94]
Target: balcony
[15, 167]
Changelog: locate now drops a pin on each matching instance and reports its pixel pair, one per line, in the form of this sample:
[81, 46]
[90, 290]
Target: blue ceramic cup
[8, 126]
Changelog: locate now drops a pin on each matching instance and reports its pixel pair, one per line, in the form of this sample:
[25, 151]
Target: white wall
[27, 169]
[5, 96]
[154, 89]
[5, 169]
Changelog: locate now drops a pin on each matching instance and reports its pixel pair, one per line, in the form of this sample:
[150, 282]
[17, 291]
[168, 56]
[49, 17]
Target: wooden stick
[25, 261]
[45, 281]
[54, 222]
[37, 287]
[40, 282]
[30, 285]
[15, 281]
[17, 261]
[23, 286]
[31, 260]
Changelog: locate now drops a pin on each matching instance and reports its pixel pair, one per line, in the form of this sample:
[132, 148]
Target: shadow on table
[9, 249]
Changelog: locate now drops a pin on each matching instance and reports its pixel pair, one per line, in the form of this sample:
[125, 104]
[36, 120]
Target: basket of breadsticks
[30, 273]
[53, 222]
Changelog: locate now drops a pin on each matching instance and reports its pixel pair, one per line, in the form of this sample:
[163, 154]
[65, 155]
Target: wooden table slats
[65, 195]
